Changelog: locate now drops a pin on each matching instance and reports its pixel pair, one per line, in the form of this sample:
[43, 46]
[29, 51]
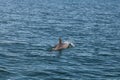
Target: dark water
[29, 27]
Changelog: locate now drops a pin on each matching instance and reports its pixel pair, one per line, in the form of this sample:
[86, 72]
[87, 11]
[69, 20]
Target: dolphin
[61, 45]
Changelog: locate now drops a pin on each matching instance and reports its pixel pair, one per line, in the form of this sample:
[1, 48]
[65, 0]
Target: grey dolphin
[61, 45]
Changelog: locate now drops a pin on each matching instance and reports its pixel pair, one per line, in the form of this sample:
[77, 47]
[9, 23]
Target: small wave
[35, 73]
[12, 42]
[4, 72]
[105, 53]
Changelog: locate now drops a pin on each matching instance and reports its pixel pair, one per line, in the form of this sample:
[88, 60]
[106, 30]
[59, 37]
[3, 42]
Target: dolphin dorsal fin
[60, 41]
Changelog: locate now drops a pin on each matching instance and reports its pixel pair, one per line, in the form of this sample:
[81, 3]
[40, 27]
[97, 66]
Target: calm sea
[29, 28]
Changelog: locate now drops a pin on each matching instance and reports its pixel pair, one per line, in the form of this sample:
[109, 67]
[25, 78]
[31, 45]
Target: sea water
[29, 27]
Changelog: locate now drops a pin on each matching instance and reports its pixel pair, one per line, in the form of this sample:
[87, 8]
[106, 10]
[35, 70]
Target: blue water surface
[28, 29]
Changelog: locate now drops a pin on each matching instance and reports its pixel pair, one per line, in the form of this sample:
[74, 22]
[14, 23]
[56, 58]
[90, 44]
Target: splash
[71, 44]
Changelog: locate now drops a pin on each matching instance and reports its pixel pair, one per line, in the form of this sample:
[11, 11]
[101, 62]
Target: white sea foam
[71, 43]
